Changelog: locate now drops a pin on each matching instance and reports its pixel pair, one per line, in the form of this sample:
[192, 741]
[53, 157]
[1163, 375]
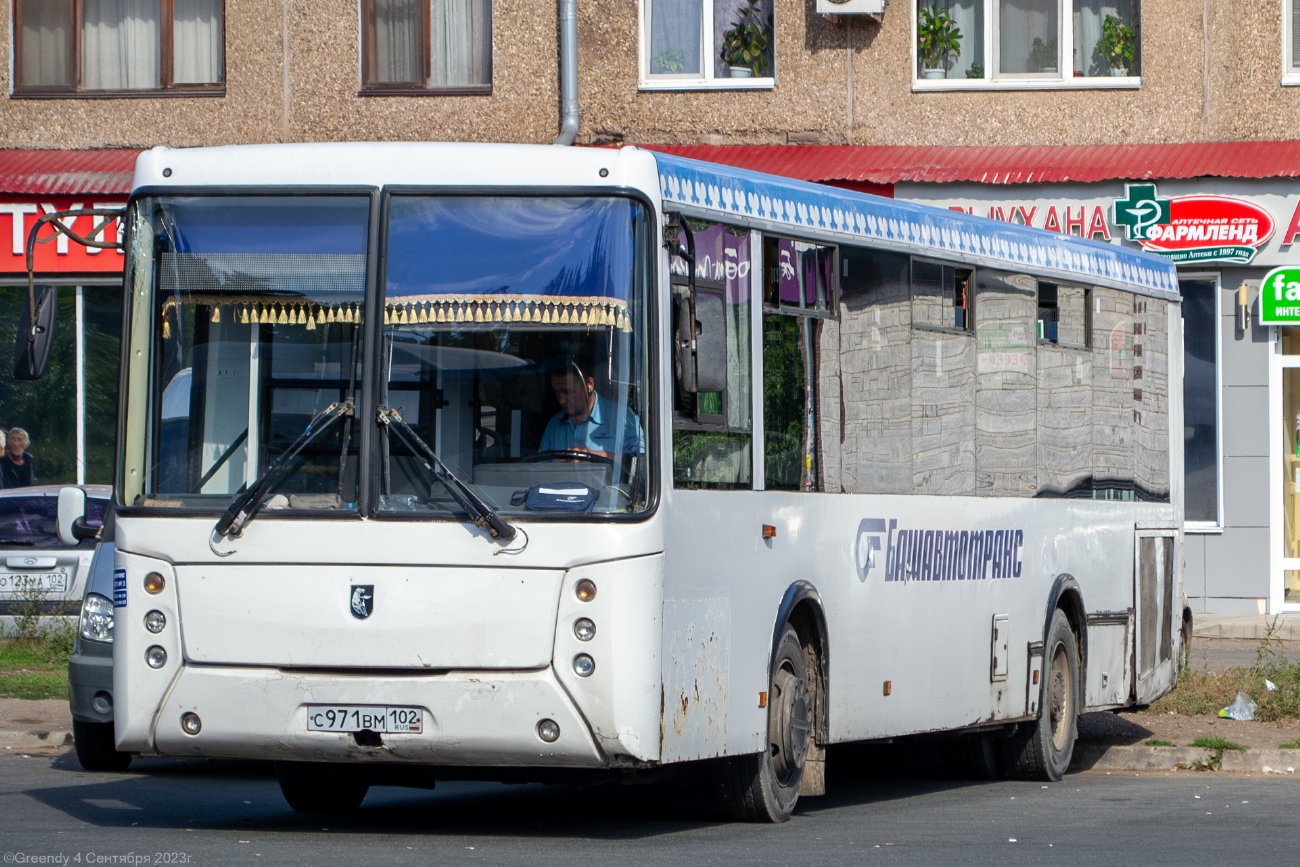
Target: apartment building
[1064, 115]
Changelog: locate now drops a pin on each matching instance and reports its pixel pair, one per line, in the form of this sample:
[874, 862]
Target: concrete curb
[1101, 757]
[1248, 626]
[34, 740]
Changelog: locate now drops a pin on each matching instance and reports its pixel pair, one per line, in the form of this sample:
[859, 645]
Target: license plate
[359, 718]
[34, 582]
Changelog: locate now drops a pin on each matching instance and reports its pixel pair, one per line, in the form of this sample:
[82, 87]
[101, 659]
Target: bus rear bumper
[469, 718]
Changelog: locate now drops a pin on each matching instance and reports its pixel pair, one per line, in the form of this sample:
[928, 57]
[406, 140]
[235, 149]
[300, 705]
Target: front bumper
[90, 682]
[471, 718]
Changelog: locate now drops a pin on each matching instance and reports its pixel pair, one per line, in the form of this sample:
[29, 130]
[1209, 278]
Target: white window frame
[1290, 72]
[1029, 81]
[706, 81]
[1215, 526]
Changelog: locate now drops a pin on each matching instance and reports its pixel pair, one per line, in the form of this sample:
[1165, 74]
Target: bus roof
[808, 210]
[699, 189]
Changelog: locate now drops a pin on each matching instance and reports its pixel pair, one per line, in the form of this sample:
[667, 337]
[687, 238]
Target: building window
[1291, 42]
[1027, 43]
[438, 46]
[1201, 453]
[707, 43]
[64, 47]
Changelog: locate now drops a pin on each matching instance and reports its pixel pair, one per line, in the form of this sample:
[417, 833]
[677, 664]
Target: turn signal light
[155, 657]
[154, 583]
[585, 589]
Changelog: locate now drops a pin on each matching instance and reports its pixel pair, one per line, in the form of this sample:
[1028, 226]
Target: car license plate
[33, 582]
[359, 718]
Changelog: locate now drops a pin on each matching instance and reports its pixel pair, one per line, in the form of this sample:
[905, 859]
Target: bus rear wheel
[765, 787]
[1042, 750]
[318, 787]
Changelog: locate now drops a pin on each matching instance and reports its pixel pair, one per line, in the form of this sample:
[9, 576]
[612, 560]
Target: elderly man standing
[17, 469]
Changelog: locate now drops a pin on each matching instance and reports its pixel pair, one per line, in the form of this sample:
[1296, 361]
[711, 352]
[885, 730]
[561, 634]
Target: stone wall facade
[1211, 72]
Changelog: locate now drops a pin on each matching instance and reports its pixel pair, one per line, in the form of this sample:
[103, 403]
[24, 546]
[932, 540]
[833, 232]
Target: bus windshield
[512, 346]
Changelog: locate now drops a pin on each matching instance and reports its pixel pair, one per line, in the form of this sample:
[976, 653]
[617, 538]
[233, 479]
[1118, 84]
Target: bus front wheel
[765, 787]
[318, 787]
[1042, 750]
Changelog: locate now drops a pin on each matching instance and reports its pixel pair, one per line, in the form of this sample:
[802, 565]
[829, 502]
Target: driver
[587, 421]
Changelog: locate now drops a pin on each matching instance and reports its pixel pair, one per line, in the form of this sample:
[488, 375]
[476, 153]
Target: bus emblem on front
[363, 600]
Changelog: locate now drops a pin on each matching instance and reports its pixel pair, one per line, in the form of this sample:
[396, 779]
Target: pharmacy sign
[1192, 229]
[1279, 297]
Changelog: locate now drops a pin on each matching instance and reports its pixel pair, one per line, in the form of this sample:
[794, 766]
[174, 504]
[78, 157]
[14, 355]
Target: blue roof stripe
[800, 205]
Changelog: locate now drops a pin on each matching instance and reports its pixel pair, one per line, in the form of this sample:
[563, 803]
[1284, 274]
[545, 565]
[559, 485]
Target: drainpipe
[568, 72]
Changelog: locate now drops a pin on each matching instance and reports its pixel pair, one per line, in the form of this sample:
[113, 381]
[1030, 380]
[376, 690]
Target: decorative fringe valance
[592, 312]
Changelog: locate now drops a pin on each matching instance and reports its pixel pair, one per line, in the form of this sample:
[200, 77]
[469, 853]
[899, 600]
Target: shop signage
[61, 256]
[1279, 297]
[1194, 222]
[1190, 229]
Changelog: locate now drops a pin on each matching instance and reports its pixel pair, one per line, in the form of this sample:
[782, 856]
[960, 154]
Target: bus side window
[799, 299]
[712, 429]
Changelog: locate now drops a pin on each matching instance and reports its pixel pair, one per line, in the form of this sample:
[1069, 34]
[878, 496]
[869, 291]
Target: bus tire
[1042, 750]
[765, 787]
[319, 787]
[96, 749]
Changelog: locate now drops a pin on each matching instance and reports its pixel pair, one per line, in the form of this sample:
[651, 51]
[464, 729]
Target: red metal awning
[887, 164]
[66, 172]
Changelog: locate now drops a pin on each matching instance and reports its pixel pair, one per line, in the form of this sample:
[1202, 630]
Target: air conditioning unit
[850, 7]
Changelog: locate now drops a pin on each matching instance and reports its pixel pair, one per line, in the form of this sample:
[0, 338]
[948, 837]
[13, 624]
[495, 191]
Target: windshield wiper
[246, 504]
[481, 513]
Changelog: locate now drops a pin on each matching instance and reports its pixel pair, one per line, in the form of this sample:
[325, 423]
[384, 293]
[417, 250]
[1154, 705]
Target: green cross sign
[1140, 210]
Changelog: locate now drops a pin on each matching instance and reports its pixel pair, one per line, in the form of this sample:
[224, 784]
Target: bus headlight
[154, 621]
[548, 730]
[583, 665]
[97, 618]
[155, 657]
[584, 629]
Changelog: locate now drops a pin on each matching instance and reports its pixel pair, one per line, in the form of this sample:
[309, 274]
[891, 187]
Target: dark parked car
[90, 671]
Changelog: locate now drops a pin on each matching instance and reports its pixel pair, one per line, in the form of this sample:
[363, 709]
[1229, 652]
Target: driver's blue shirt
[598, 432]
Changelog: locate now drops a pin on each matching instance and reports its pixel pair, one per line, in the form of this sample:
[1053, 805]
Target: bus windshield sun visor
[248, 502]
[479, 512]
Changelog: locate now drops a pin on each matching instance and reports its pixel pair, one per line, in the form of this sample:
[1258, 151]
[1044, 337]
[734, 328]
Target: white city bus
[502, 462]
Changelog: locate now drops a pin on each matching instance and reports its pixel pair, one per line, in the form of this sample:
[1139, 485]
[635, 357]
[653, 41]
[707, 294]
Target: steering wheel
[567, 455]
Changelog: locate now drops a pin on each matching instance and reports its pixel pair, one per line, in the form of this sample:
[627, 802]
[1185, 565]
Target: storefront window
[1200, 403]
[47, 408]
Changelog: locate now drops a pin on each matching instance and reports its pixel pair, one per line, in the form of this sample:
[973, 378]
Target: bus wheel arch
[1067, 596]
[766, 786]
[801, 607]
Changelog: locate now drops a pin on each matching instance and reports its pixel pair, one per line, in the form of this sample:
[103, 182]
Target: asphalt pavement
[199, 812]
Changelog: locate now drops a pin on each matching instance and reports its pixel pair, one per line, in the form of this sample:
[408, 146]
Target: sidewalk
[1251, 626]
[34, 725]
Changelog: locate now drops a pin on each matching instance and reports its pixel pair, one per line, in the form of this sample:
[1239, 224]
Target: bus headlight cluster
[154, 621]
[584, 629]
[583, 665]
[155, 657]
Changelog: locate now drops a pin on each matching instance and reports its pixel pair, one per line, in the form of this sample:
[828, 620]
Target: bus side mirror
[701, 343]
[35, 332]
[72, 526]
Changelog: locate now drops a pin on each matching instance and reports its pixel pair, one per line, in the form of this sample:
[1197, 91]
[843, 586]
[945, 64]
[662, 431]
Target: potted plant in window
[1117, 44]
[745, 43]
[937, 41]
[1043, 54]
